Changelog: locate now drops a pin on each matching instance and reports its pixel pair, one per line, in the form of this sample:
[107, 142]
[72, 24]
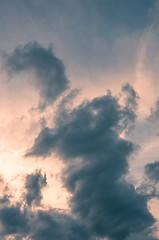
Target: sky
[79, 120]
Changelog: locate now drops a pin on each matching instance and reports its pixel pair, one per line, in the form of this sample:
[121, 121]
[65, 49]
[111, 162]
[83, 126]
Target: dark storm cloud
[111, 207]
[18, 220]
[83, 128]
[152, 171]
[33, 185]
[50, 224]
[88, 139]
[50, 79]
[39, 225]
[13, 220]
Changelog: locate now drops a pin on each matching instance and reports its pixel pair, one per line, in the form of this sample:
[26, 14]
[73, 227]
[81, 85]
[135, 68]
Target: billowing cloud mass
[18, 220]
[77, 162]
[33, 185]
[49, 70]
[39, 225]
[88, 140]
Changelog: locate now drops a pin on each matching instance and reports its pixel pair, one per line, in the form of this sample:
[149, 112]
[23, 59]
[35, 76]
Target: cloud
[131, 97]
[143, 236]
[130, 101]
[88, 122]
[53, 225]
[88, 140]
[149, 186]
[33, 185]
[152, 171]
[40, 225]
[13, 221]
[50, 80]
[18, 220]
[154, 114]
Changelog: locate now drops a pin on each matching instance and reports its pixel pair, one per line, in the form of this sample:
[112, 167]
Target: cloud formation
[18, 220]
[154, 114]
[33, 185]
[88, 140]
[53, 225]
[39, 225]
[13, 221]
[51, 80]
[152, 171]
[130, 101]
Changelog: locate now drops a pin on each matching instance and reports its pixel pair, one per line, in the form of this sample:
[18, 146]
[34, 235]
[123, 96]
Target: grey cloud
[50, 79]
[131, 97]
[123, 12]
[152, 171]
[109, 206]
[98, 28]
[33, 186]
[5, 199]
[18, 220]
[131, 103]
[154, 114]
[92, 36]
[88, 139]
[86, 123]
[149, 187]
[40, 225]
[102, 203]
[53, 225]
[143, 236]
[13, 220]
